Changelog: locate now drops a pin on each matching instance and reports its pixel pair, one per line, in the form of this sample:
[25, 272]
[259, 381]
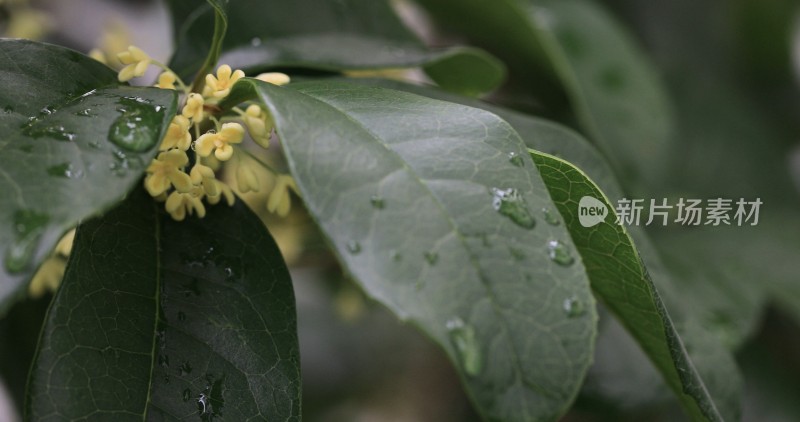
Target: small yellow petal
[276, 78]
[127, 73]
[224, 153]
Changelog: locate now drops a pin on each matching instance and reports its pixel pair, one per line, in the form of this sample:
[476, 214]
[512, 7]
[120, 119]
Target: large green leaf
[72, 143]
[616, 94]
[159, 320]
[437, 211]
[341, 35]
[621, 279]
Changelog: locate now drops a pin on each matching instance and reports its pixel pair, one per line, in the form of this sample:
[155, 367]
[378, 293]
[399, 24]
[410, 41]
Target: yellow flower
[224, 191]
[48, 277]
[246, 178]
[137, 62]
[166, 80]
[166, 171]
[219, 142]
[180, 203]
[29, 24]
[177, 135]
[98, 55]
[275, 78]
[203, 176]
[279, 201]
[194, 108]
[257, 124]
[64, 246]
[220, 86]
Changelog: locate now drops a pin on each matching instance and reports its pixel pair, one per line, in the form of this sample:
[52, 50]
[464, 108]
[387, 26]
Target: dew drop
[8, 109]
[28, 229]
[516, 159]
[47, 110]
[573, 307]
[462, 336]
[353, 247]
[202, 404]
[136, 128]
[255, 41]
[510, 203]
[163, 361]
[187, 394]
[185, 369]
[181, 316]
[229, 273]
[377, 202]
[559, 253]
[85, 113]
[550, 217]
[432, 257]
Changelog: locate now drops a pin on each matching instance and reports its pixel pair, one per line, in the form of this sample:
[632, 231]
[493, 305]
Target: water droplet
[255, 41]
[137, 128]
[463, 338]
[573, 307]
[64, 170]
[28, 229]
[559, 253]
[8, 109]
[181, 316]
[516, 159]
[94, 144]
[229, 274]
[550, 217]
[432, 257]
[47, 110]
[202, 404]
[185, 369]
[57, 132]
[377, 202]
[353, 247]
[187, 394]
[163, 361]
[85, 113]
[511, 204]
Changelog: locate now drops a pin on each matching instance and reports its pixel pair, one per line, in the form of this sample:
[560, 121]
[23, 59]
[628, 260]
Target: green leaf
[415, 197]
[337, 36]
[219, 8]
[621, 279]
[616, 95]
[155, 317]
[72, 143]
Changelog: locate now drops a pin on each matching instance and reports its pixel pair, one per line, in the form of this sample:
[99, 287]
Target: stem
[186, 90]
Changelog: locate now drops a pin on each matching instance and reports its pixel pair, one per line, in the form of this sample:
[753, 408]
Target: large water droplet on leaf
[28, 229]
[559, 253]
[137, 129]
[511, 204]
[462, 336]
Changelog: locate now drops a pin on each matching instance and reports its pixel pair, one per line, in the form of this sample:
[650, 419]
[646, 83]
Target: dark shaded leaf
[336, 36]
[164, 320]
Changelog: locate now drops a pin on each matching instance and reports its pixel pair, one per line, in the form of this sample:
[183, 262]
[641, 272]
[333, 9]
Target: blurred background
[733, 70]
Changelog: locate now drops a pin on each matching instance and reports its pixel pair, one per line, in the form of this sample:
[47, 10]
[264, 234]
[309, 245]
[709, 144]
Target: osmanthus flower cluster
[198, 142]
